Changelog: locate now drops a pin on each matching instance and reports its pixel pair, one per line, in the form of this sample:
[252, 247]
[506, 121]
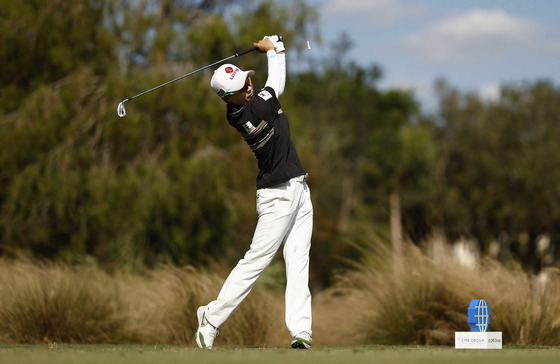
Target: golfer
[285, 212]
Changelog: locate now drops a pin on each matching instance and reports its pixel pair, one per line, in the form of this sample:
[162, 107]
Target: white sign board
[478, 340]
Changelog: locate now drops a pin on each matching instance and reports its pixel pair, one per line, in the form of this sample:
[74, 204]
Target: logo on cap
[229, 70]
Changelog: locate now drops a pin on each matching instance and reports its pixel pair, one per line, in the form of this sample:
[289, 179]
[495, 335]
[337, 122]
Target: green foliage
[354, 138]
[173, 183]
[154, 188]
[43, 42]
[496, 167]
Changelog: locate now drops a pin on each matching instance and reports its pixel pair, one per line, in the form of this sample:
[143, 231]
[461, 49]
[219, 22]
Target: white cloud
[376, 11]
[474, 35]
[490, 91]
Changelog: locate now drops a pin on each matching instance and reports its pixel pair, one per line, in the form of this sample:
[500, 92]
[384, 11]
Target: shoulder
[266, 94]
[264, 99]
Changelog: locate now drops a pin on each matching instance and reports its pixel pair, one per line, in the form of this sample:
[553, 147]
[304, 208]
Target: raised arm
[274, 49]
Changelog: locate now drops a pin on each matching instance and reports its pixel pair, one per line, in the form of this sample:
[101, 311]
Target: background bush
[47, 302]
[415, 299]
[419, 299]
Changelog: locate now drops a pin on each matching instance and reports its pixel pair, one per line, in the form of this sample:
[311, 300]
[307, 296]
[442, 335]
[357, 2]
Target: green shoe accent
[299, 343]
[201, 339]
[204, 320]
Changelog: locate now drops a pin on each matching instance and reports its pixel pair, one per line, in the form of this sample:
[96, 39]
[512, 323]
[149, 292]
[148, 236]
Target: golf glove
[277, 41]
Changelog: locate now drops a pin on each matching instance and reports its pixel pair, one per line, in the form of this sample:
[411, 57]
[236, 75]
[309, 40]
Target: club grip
[246, 51]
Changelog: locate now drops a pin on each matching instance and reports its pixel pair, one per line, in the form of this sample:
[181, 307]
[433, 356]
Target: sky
[475, 45]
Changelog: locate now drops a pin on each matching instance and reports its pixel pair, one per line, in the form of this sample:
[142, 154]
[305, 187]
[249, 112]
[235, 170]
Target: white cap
[229, 78]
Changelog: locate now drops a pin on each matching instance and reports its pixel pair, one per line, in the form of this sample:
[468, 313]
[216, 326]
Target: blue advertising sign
[479, 316]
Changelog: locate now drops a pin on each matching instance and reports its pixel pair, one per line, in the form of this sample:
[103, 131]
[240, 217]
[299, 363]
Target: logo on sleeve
[265, 95]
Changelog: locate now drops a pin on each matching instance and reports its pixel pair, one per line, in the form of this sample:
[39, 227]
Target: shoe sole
[197, 336]
[301, 344]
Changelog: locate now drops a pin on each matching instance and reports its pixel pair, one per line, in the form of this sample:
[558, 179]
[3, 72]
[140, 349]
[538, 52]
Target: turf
[128, 354]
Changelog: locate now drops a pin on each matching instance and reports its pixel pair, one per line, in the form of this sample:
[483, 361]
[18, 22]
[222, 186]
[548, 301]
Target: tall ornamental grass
[161, 308]
[53, 302]
[415, 299]
[48, 302]
[386, 299]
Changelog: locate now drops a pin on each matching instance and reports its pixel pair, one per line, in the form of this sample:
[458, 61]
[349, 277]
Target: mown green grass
[128, 354]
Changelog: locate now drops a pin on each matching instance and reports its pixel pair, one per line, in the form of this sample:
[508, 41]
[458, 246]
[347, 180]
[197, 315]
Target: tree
[497, 170]
[42, 42]
[78, 183]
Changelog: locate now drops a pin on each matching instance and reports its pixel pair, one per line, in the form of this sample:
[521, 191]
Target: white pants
[285, 215]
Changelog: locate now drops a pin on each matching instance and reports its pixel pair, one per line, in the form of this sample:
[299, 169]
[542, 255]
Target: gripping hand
[277, 40]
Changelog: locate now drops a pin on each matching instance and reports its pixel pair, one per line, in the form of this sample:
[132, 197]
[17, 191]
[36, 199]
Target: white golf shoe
[302, 341]
[206, 333]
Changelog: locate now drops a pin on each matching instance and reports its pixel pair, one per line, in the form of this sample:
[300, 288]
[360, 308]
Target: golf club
[121, 111]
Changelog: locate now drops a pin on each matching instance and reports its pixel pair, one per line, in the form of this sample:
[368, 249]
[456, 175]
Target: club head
[121, 111]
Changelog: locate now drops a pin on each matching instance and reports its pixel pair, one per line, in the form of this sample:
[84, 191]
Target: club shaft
[193, 72]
